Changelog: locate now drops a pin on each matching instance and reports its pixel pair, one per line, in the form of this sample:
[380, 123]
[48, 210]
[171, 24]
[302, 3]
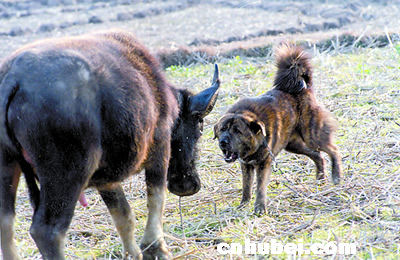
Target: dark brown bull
[90, 111]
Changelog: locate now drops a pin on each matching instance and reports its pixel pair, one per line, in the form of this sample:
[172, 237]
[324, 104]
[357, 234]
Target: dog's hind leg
[247, 183]
[124, 219]
[336, 158]
[9, 178]
[297, 145]
[318, 133]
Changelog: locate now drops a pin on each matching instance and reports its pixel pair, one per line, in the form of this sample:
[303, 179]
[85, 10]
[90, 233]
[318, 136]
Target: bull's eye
[201, 126]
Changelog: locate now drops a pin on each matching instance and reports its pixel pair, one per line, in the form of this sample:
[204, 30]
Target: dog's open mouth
[230, 156]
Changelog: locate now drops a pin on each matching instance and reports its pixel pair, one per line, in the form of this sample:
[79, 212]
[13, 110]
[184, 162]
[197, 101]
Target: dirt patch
[362, 91]
[213, 25]
[263, 46]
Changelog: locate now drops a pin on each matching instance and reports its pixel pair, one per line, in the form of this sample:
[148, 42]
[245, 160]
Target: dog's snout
[224, 142]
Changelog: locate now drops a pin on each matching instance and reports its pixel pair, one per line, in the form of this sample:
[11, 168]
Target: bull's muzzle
[184, 186]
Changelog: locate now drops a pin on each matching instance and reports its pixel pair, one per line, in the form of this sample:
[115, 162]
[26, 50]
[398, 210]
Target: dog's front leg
[263, 177]
[247, 183]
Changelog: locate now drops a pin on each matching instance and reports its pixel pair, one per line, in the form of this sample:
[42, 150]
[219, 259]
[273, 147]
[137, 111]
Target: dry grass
[360, 87]
[263, 46]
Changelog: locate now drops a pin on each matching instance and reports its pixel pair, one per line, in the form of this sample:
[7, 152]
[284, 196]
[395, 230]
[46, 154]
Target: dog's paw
[259, 209]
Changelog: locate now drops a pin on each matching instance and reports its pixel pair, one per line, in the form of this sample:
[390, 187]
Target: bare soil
[215, 27]
[360, 87]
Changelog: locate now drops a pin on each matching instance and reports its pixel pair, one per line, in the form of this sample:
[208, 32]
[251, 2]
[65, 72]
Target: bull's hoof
[259, 209]
[336, 179]
[321, 177]
[157, 250]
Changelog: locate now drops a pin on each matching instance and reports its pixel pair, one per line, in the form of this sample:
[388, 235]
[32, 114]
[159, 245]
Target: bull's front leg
[123, 217]
[153, 245]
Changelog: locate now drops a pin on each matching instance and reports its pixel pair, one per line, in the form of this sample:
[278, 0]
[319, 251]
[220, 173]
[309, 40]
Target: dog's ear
[225, 120]
[257, 126]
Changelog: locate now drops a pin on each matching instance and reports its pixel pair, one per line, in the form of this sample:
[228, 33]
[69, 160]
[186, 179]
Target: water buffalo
[89, 111]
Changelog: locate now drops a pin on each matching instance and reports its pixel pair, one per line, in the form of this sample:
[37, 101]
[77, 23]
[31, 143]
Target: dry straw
[361, 88]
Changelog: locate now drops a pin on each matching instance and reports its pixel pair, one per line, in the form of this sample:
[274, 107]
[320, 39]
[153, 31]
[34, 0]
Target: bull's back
[92, 91]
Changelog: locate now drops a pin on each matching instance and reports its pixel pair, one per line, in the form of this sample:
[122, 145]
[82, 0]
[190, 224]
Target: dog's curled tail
[294, 69]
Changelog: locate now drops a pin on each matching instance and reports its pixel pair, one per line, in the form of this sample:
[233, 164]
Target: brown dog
[254, 130]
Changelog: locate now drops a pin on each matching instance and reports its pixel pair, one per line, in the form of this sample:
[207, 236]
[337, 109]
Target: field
[358, 83]
[360, 87]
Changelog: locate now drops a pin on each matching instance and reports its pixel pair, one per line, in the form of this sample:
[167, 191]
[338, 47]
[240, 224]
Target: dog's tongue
[230, 157]
[82, 200]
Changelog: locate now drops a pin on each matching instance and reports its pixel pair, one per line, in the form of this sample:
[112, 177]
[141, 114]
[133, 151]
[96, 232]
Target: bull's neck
[182, 97]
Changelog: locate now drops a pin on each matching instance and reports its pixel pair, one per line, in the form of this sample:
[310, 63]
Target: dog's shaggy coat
[254, 130]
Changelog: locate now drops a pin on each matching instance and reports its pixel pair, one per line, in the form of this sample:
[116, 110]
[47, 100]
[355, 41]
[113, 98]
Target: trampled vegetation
[362, 89]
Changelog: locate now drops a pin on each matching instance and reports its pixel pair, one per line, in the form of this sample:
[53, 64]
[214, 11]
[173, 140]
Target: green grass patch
[361, 89]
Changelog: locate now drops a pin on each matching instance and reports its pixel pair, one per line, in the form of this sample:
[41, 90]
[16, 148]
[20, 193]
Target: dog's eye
[236, 130]
[224, 128]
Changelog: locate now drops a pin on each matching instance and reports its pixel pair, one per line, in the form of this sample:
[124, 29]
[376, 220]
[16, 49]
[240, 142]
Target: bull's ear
[202, 103]
[215, 131]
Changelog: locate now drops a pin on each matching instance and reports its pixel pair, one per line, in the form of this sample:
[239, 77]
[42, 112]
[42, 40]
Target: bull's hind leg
[62, 179]
[9, 178]
[124, 219]
[58, 197]
[53, 217]
[297, 145]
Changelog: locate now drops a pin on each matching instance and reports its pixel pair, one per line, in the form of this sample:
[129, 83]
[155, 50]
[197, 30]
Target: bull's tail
[8, 90]
[294, 69]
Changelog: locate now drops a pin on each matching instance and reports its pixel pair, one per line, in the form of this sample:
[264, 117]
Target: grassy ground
[360, 87]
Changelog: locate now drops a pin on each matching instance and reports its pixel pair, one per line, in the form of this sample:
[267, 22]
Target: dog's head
[239, 135]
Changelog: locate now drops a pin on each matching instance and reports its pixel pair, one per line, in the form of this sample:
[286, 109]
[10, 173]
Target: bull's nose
[184, 186]
[224, 143]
